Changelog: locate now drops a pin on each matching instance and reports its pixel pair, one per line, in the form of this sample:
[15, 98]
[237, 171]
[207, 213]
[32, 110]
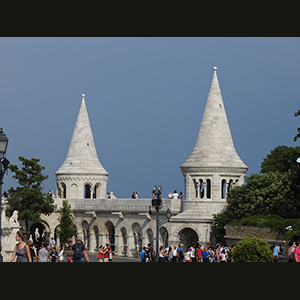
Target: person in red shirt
[297, 252]
[100, 254]
[106, 253]
[199, 254]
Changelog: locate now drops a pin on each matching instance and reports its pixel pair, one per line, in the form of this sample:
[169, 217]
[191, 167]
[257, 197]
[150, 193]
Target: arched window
[230, 185]
[201, 188]
[87, 191]
[196, 188]
[223, 189]
[63, 190]
[208, 188]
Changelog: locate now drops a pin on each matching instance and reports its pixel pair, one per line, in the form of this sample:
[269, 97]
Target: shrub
[252, 250]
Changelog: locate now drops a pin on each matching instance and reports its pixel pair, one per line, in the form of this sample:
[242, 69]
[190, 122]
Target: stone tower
[82, 175]
[214, 166]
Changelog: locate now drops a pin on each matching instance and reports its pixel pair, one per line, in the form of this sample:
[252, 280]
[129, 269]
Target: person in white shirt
[175, 195]
[174, 255]
[52, 243]
[60, 254]
[188, 255]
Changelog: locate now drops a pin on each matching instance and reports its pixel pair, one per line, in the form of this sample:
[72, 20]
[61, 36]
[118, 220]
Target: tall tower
[82, 175]
[214, 166]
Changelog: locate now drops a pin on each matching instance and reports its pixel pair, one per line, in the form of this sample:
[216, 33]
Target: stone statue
[13, 220]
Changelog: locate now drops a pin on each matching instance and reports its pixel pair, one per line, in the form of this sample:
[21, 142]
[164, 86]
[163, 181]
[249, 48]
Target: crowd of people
[219, 253]
[195, 253]
[27, 252]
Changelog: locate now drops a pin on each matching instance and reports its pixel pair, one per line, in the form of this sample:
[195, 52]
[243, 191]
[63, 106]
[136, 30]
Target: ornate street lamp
[157, 204]
[4, 162]
[3, 142]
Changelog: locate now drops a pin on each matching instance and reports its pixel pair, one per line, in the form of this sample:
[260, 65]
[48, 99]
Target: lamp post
[157, 204]
[4, 162]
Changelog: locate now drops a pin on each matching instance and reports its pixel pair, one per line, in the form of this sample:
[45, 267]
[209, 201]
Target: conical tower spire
[81, 175]
[82, 156]
[214, 146]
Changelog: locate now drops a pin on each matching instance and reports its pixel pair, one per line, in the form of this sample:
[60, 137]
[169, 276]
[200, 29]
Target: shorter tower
[81, 175]
[214, 166]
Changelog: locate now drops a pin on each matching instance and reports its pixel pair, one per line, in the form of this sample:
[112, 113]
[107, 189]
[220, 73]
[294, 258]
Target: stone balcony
[123, 204]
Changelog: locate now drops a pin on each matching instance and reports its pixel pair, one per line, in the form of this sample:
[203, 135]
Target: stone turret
[214, 166]
[82, 175]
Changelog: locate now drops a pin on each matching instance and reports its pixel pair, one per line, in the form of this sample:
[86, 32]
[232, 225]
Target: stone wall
[274, 237]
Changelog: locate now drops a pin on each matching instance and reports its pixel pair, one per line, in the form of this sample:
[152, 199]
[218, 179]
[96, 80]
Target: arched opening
[87, 191]
[110, 234]
[74, 191]
[86, 234]
[39, 233]
[201, 188]
[96, 192]
[188, 237]
[124, 240]
[137, 235]
[196, 187]
[230, 185]
[150, 235]
[223, 189]
[63, 190]
[96, 233]
[208, 188]
[163, 236]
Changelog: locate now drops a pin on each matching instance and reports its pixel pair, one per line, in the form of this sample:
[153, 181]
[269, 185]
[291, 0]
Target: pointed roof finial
[214, 145]
[215, 68]
[82, 156]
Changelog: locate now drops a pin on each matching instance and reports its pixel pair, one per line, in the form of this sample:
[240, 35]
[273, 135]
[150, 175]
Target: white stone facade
[210, 171]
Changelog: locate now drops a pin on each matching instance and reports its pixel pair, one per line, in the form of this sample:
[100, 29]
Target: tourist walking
[32, 251]
[78, 251]
[199, 253]
[53, 254]
[143, 254]
[60, 254]
[161, 255]
[297, 251]
[100, 254]
[21, 250]
[205, 255]
[181, 253]
[43, 254]
[106, 253]
[223, 256]
[188, 255]
[174, 255]
[149, 253]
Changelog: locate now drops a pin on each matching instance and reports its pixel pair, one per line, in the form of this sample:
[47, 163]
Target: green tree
[297, 113]
[252, 250]
[66, 228]
[28, 198]
[276, 192]
[282, 159]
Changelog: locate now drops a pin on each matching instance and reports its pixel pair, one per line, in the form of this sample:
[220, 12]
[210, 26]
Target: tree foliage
[276, 192]
[252, 250]
[28, 198]
[66, 228]
[281, 159]
[297, 113]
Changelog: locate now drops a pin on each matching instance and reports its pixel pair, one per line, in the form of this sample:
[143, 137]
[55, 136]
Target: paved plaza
[116, 258]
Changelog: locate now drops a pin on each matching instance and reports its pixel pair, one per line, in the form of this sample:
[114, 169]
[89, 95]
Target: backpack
[180, 253]
[78, 251]
[147, 251]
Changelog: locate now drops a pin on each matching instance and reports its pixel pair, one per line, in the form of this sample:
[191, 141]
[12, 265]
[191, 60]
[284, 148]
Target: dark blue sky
[145, 98]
